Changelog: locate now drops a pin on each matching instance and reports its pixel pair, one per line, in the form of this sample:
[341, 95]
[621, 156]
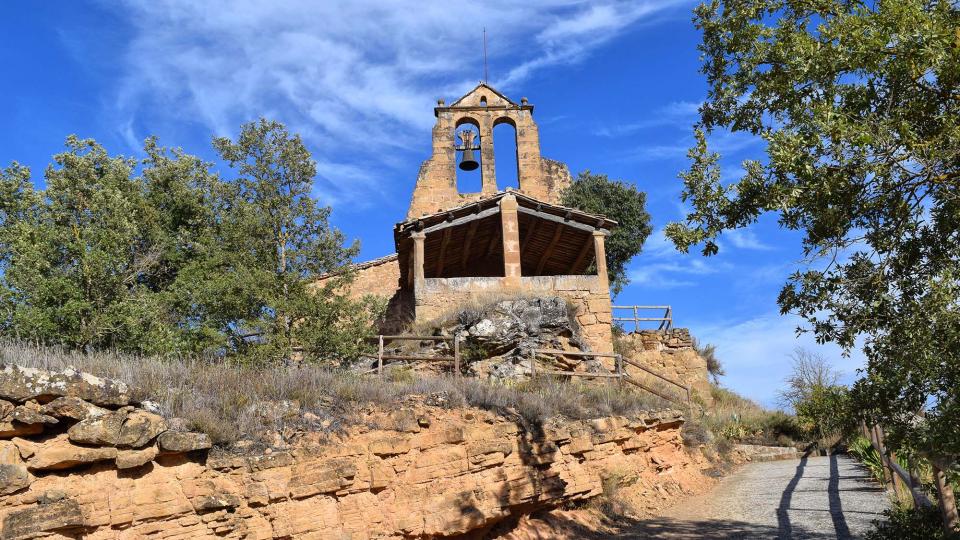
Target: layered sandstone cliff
[77, 459]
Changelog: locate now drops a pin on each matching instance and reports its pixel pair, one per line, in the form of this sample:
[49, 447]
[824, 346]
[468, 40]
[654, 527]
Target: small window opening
[483, 101]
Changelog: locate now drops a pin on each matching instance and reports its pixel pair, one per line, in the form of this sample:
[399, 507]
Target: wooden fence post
[456, 355]
[948, 503]
[380, 358]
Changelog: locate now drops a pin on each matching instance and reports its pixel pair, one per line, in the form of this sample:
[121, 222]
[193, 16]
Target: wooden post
[948, 503]
[380, 358]
[619, 360]
[533, 365]
[895, 481]
[875, 437]
[456, 354]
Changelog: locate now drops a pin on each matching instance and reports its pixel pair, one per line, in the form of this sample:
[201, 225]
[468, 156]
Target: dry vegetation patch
[234, 402]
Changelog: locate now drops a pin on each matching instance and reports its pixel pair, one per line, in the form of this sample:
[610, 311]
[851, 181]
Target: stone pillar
[510, 224]
[488, 169]
[418, 279]
[601, 255]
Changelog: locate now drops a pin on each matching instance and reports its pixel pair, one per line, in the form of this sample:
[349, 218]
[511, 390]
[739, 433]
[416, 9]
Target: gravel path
[817, 497]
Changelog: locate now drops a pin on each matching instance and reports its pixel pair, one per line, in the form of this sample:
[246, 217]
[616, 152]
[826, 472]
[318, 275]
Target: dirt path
[817, 497]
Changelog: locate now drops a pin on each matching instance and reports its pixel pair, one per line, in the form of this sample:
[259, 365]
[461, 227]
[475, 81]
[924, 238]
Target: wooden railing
[382, 355]
[665, 322]
[893, 472]
[619, 373]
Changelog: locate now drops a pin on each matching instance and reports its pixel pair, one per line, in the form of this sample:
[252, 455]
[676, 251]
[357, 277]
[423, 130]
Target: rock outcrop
[418, 471]
[670, 353]
[497, 338]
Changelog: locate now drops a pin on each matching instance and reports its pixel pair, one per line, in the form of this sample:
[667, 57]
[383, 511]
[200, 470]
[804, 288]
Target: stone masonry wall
[419, 471]
[444, 297]
[381, 277]
[670, 353]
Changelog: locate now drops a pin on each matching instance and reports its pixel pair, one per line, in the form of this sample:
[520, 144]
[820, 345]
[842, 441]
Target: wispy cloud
[756, 353]
[354, 77]
[661, 266]
[680, 114]
[746, 239]
[724, 142]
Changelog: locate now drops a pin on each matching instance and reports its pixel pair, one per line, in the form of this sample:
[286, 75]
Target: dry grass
[234, 402]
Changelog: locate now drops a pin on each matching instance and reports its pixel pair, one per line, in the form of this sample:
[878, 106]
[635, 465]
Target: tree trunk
[948, 505]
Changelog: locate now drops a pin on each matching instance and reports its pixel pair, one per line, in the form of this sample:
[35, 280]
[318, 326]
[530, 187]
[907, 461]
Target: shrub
[903, 523]
[695, 434]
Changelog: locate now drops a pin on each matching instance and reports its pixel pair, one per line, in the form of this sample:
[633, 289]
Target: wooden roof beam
[471, 232]
[444, 241]
[528, 236]
[581, 258]
[557, 231]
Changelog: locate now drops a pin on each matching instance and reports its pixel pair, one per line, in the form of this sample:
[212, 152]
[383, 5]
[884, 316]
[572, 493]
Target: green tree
[814, 392]
[621, 202]
[859, 107]
[178, 260]
[276, 242]
[78, 253]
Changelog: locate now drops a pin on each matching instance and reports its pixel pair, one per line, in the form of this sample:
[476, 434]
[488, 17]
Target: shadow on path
[784, 527]
[836, 506]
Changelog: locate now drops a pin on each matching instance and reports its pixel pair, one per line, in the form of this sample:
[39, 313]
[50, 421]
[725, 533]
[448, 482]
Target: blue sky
[615, 86]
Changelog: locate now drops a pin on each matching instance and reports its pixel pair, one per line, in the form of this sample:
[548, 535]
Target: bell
[467, 161]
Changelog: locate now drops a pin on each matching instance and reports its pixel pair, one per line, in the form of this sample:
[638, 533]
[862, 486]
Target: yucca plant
[863, 450]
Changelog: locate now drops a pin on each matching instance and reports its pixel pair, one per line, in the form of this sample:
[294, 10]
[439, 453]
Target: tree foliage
[814, 392]
[164, 256]
[859, 106]
[621, 202]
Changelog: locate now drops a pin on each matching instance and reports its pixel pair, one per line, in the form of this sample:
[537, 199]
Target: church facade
[456, 248]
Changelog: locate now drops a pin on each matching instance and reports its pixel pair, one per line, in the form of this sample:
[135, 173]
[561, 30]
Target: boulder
[73, 408]
[21, 420]
[129, 459]
[125, 427]
[13, 478]
[60, 516]
[9, 453]
[22, 383]
[27, 415]
[60, 453]
[183, 441]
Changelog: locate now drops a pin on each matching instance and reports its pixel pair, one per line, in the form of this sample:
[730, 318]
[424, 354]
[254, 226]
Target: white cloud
[746, 239]
[679, 114]
[725, 143]
[755, 353]
[356, 78]
[661, 266]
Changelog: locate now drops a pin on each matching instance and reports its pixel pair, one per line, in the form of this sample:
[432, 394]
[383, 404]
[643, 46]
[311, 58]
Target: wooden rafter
[584, 251]
[557, 231]
[444, 241]
[565, 220]
[528, 236]
[471, 232]
[494, 241]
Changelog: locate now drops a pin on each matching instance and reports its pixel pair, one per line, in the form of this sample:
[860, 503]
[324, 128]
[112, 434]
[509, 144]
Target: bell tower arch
[484, 107]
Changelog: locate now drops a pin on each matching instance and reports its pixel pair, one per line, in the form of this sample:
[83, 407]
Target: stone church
[455, 248]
